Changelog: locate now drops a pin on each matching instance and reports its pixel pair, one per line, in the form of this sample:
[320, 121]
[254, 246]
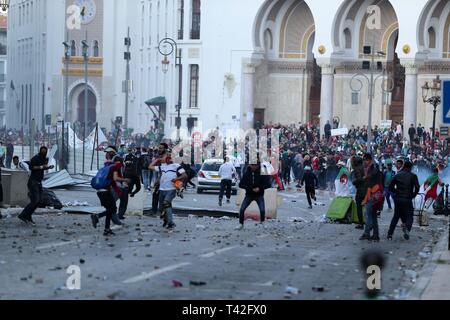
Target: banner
[339, 132]
[90, 140]
[386, 124]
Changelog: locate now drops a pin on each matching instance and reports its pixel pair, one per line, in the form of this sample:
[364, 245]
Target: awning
[158, 101]
[159, 104]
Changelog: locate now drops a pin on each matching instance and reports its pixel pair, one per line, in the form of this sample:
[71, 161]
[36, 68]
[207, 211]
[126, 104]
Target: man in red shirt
[110, 194]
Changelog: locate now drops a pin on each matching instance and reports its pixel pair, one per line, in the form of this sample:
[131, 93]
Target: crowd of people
[346, 165]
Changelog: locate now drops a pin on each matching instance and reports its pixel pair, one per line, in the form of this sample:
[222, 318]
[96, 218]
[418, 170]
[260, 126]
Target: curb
[427, 272]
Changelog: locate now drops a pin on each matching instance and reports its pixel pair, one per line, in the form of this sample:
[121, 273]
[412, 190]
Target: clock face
[88, 10]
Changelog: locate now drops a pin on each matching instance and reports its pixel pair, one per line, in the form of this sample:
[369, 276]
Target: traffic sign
[446, 102]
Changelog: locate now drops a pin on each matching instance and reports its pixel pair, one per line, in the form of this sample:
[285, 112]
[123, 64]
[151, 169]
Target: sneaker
[375, 238]
[405, 232]
[121, 217]
[360, 227]
[365, 237]
[108, 232]
[116, 227]
[95, 220]
[30, 221]
[310, 207]
[406, 235]
[220, 202]
[22, 218]
[228, 201]
[389, 237]
[165, 223]
[171, 226]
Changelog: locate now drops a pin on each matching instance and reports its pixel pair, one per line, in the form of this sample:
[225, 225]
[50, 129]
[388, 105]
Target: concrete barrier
[15, 190]
[136, 204]
[272, 202]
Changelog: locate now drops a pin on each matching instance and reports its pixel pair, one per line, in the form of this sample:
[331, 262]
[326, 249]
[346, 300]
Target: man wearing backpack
[170, 173]
[108, 189]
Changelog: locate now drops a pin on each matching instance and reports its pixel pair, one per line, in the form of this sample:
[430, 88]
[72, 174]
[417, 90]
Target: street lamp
[387, 86]
[167, 47]
[86, 58]
[4, 5]
[434, 100]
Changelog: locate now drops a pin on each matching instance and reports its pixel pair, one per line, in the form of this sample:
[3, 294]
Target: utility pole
[66, 85]
[127, 57]
[86, 57]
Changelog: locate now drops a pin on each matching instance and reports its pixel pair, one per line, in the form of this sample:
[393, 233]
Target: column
[248, 95]
[326, 96]
[410, 104]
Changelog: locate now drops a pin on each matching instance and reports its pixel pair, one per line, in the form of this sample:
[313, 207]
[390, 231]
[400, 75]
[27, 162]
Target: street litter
[177, 284]
[291, 290]
[59, 179]
[197, 283]
[411, 274]
[318, 289]
[77, 203]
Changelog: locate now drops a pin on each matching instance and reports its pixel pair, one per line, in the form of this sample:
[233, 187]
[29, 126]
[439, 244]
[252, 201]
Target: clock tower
[89, 29]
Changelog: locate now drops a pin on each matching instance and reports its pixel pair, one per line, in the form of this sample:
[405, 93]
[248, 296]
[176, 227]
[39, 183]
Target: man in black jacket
[254, 184]
[38, 165]
[311, 182]
[411, 133]
[405, 187]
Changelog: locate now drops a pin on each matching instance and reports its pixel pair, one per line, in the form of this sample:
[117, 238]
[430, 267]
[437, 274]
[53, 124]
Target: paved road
[141, 261]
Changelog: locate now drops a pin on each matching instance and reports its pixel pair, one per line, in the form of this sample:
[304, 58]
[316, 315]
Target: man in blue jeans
[254, 184]
[373, 177]
[169, 173]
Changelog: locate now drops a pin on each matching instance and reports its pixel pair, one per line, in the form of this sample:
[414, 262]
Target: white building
[243, 62]
[3, 68]
[37, 30]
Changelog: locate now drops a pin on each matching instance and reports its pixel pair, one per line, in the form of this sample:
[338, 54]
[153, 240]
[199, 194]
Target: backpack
[101, 181]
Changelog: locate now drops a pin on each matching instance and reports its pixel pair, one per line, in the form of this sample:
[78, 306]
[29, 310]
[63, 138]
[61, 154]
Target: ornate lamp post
[434, 100]
[387, 86]
[166, 47]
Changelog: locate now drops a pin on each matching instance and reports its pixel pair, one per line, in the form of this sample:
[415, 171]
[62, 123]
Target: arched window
[73, 48]
[96, 49]
[348, 38]
[431, 38]
[268, 40]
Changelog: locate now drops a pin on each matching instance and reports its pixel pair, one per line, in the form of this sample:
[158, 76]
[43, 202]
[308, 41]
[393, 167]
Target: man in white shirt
[226, 173]
[170, 174]
[20, 165]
